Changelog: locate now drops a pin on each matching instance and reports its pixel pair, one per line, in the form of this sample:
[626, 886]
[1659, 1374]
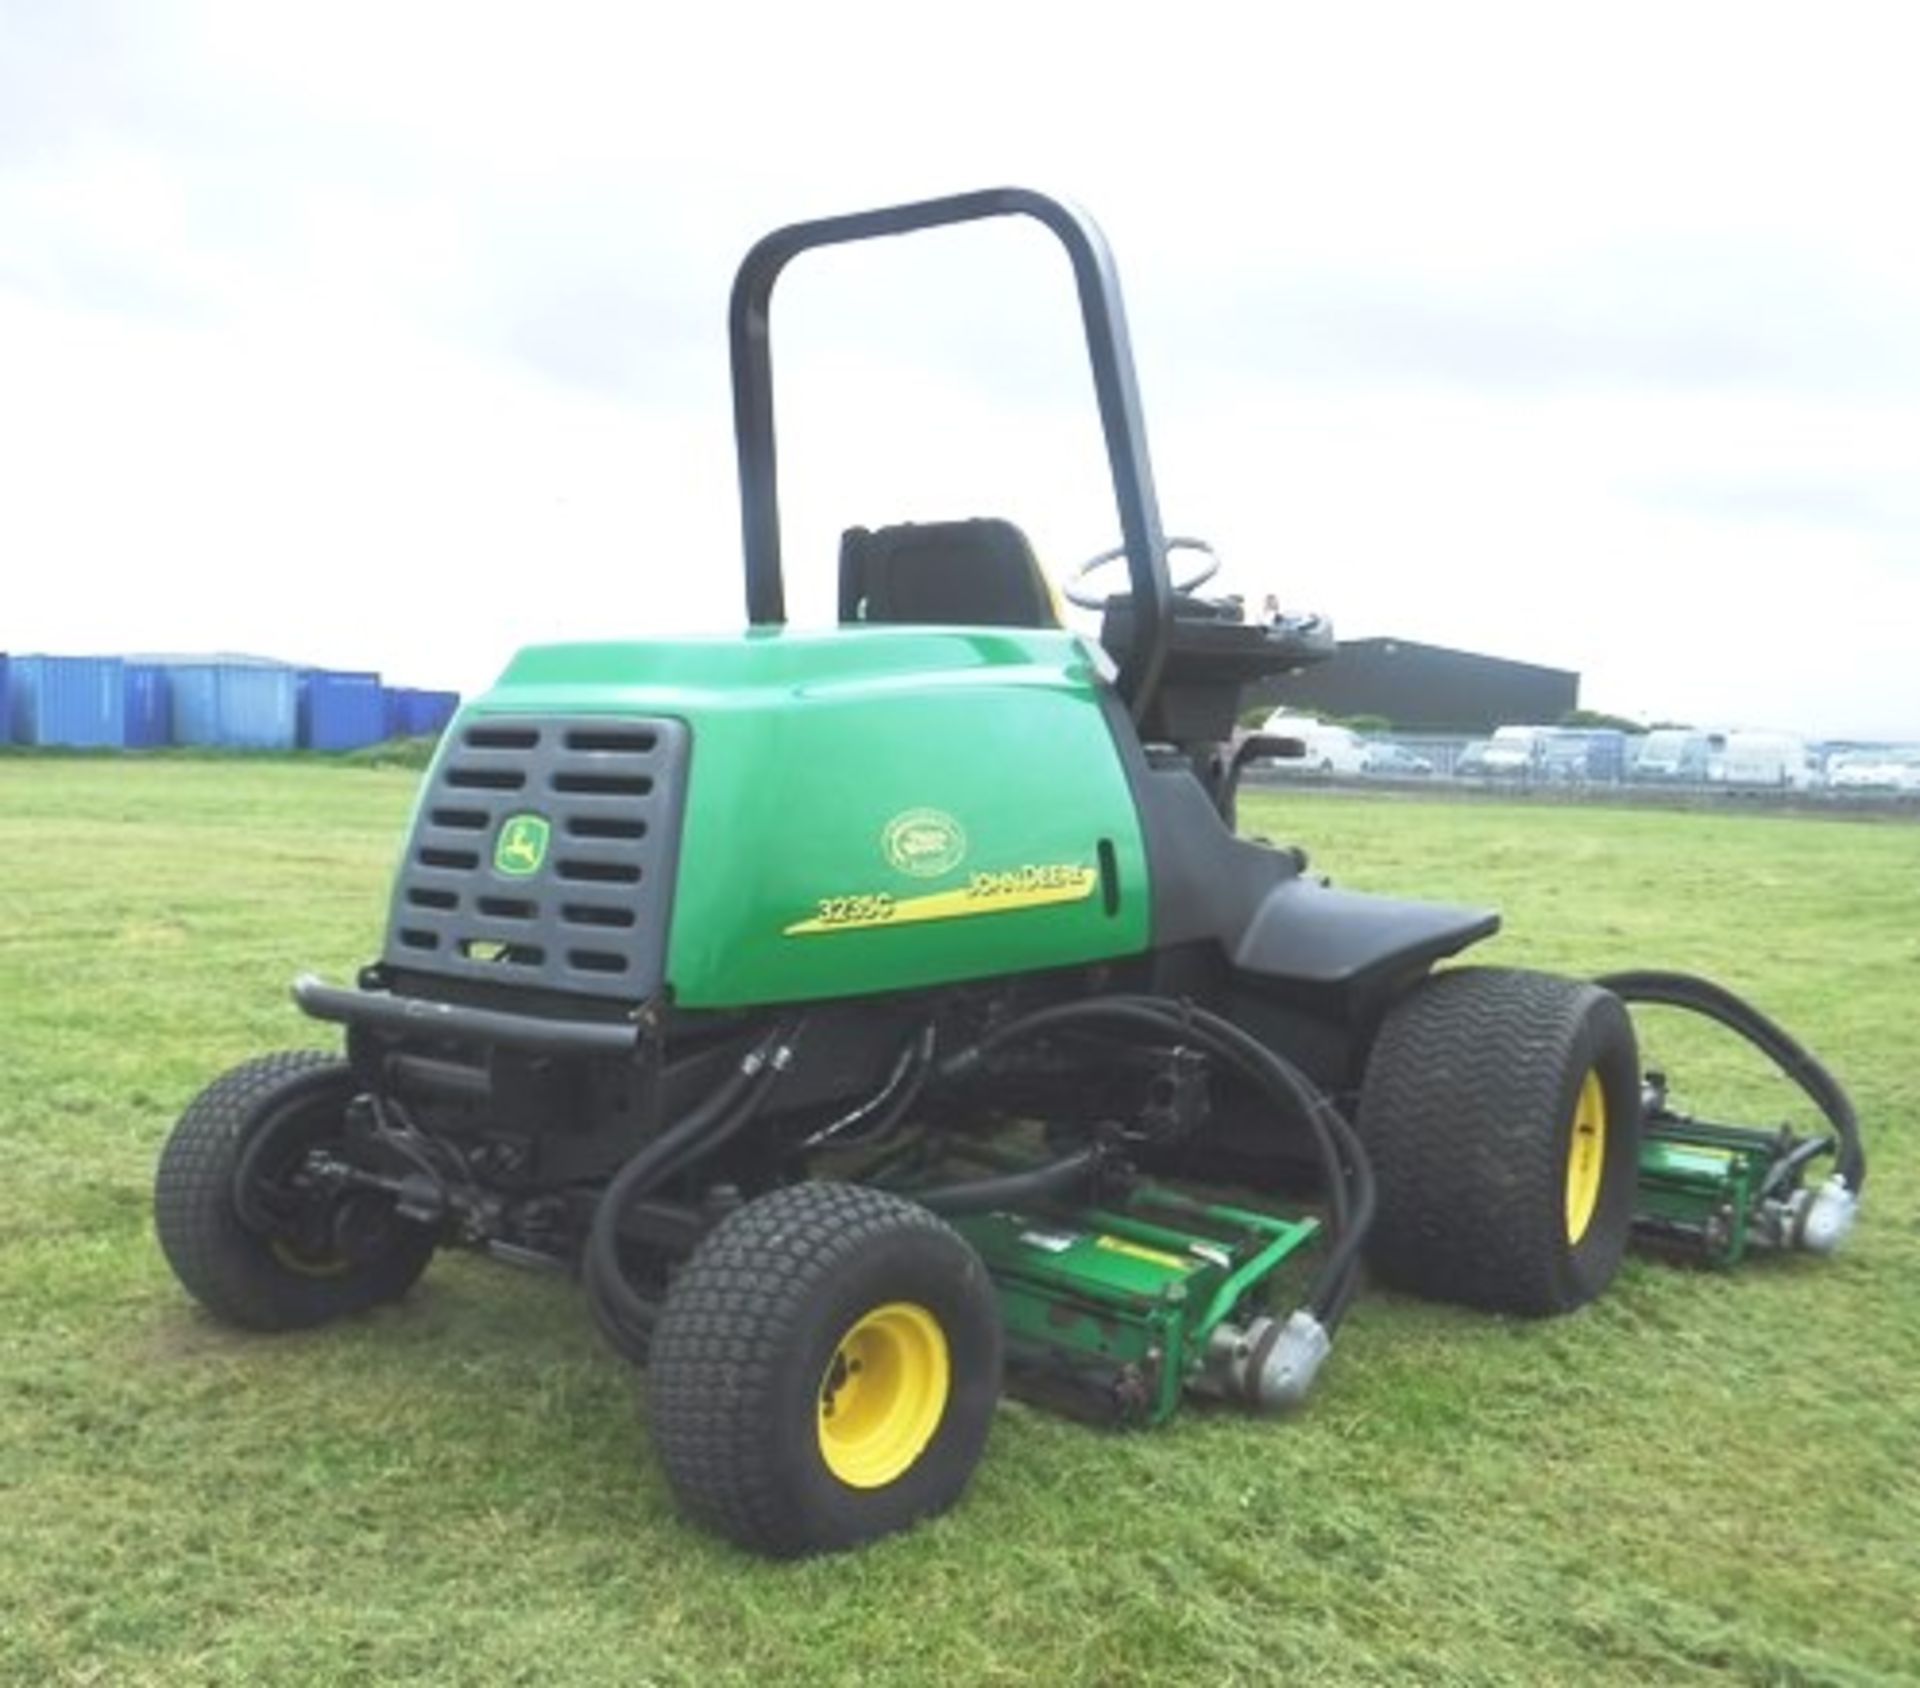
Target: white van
[1673, 756]
[1779, 761]
[1330, 749]
[1515, 752]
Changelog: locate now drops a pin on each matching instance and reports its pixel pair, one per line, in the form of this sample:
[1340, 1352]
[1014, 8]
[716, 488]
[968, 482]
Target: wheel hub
[883, 1394]
[1586, 1156]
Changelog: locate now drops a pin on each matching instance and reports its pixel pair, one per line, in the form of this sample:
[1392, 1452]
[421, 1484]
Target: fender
[1312, 933]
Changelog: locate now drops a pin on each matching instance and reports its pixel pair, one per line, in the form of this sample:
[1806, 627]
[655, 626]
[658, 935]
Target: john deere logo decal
[924, 843]
[522, 845]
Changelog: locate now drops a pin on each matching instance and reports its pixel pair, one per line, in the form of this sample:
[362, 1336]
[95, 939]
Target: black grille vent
[592, 917]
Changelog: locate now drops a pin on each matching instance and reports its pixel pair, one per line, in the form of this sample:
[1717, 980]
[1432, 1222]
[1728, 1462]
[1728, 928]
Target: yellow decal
[1140, 1251]
[984, 893]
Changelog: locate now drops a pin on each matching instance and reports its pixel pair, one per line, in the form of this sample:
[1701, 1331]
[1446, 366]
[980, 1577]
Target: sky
[390, 335]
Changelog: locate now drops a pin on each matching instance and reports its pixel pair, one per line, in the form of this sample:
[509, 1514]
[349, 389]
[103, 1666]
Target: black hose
[1351, 1197]
[1013, 1189]
[897, 1093]
[625, 1316]
[623, 1313]
[1717, 1003]
[1348, 1170]
[1165, 1016]
[1785, 1172]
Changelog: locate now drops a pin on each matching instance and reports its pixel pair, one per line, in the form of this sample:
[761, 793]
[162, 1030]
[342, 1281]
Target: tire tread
[718, 1373]
[1461, 1113]
[227, 1268]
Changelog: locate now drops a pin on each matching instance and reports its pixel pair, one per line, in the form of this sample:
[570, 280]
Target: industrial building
[1426, 688]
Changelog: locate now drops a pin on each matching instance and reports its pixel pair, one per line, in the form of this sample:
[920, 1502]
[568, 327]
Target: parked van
[1874, 770]
[1515, 752]
[1585, 755]
[1673, 756]
[1772, 761]
[1330, 749]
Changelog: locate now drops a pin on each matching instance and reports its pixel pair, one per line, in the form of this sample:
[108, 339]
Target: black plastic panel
[591, 919]
[1253, 901]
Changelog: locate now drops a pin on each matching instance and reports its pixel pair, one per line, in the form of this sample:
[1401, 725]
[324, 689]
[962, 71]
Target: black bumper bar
[417, 1017]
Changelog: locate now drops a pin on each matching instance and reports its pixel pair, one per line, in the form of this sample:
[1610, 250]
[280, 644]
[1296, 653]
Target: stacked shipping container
[67, 700]
[341, 711]
[233, 705]
[149, 706]
[420, 714]
[137, 704]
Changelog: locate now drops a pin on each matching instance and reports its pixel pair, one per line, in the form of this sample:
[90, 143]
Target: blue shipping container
[341, 711]
[6, 705]
[149, 710]
[424, 714]
[238, 706]
[68, 700]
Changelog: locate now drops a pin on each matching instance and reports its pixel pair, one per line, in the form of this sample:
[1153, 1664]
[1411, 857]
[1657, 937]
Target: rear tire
[825, 1370]
[250, 1276]
[1501, 1111]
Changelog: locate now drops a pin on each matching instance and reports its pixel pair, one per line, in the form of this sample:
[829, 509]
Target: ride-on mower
[868, 1015]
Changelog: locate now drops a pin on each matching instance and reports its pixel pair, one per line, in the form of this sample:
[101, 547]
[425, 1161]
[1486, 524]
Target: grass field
[1699, 1479]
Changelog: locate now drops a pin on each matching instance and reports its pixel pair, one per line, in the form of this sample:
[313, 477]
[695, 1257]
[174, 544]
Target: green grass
[1699, 1479]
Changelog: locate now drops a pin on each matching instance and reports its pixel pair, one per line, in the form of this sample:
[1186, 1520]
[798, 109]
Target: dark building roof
[1428, 688]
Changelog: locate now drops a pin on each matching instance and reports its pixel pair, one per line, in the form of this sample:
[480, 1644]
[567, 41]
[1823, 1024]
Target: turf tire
[1467, 1113]
[748, 1330]
[232, 1270]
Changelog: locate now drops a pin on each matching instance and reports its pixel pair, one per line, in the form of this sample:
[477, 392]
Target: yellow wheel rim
[883, 1394]
[1586, 1156]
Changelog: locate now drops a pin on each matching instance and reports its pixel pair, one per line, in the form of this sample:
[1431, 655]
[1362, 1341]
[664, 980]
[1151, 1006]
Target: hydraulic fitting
[1815, 1220]
[1827, 1217]
[1270, 1364]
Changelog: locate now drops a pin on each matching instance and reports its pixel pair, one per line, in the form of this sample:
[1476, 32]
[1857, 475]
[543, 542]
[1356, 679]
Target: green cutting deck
[1108, 1310]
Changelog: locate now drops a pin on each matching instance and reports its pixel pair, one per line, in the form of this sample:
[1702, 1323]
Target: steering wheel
[1074, 593]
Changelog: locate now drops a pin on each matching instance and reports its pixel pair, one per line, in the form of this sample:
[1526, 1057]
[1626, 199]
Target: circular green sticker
[924, 843]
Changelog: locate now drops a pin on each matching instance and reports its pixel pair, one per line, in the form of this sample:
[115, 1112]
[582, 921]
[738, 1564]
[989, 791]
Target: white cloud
[393, 335]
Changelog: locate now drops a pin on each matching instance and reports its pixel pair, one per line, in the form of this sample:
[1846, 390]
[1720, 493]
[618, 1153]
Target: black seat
[976, 573]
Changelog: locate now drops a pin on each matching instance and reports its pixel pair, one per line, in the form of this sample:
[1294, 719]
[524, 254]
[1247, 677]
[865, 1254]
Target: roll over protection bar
[1108, 351]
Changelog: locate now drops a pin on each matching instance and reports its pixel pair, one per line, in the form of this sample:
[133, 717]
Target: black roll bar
[1108, 351]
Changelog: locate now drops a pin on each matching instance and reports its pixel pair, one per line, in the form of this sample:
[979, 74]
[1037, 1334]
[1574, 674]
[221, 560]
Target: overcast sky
[394, 336]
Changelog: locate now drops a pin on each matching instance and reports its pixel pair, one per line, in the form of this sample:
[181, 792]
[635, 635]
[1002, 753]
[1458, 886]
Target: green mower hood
[836, 813]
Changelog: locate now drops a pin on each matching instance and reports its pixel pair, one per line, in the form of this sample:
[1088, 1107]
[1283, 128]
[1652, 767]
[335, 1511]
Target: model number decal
[1034, 885]
[875, 908]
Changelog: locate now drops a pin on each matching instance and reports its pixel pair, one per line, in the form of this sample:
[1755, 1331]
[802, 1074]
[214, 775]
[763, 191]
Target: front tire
[825, 1370]
[1501, 1111]
[260, 1120]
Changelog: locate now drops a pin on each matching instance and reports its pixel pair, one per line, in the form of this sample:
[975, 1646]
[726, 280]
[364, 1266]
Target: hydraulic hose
[1349, 1178]
[1717, 1003]
[623, 1315]
[1164, 1016]
[897, 1093]
[1348, 1170]
[1014, 1189]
